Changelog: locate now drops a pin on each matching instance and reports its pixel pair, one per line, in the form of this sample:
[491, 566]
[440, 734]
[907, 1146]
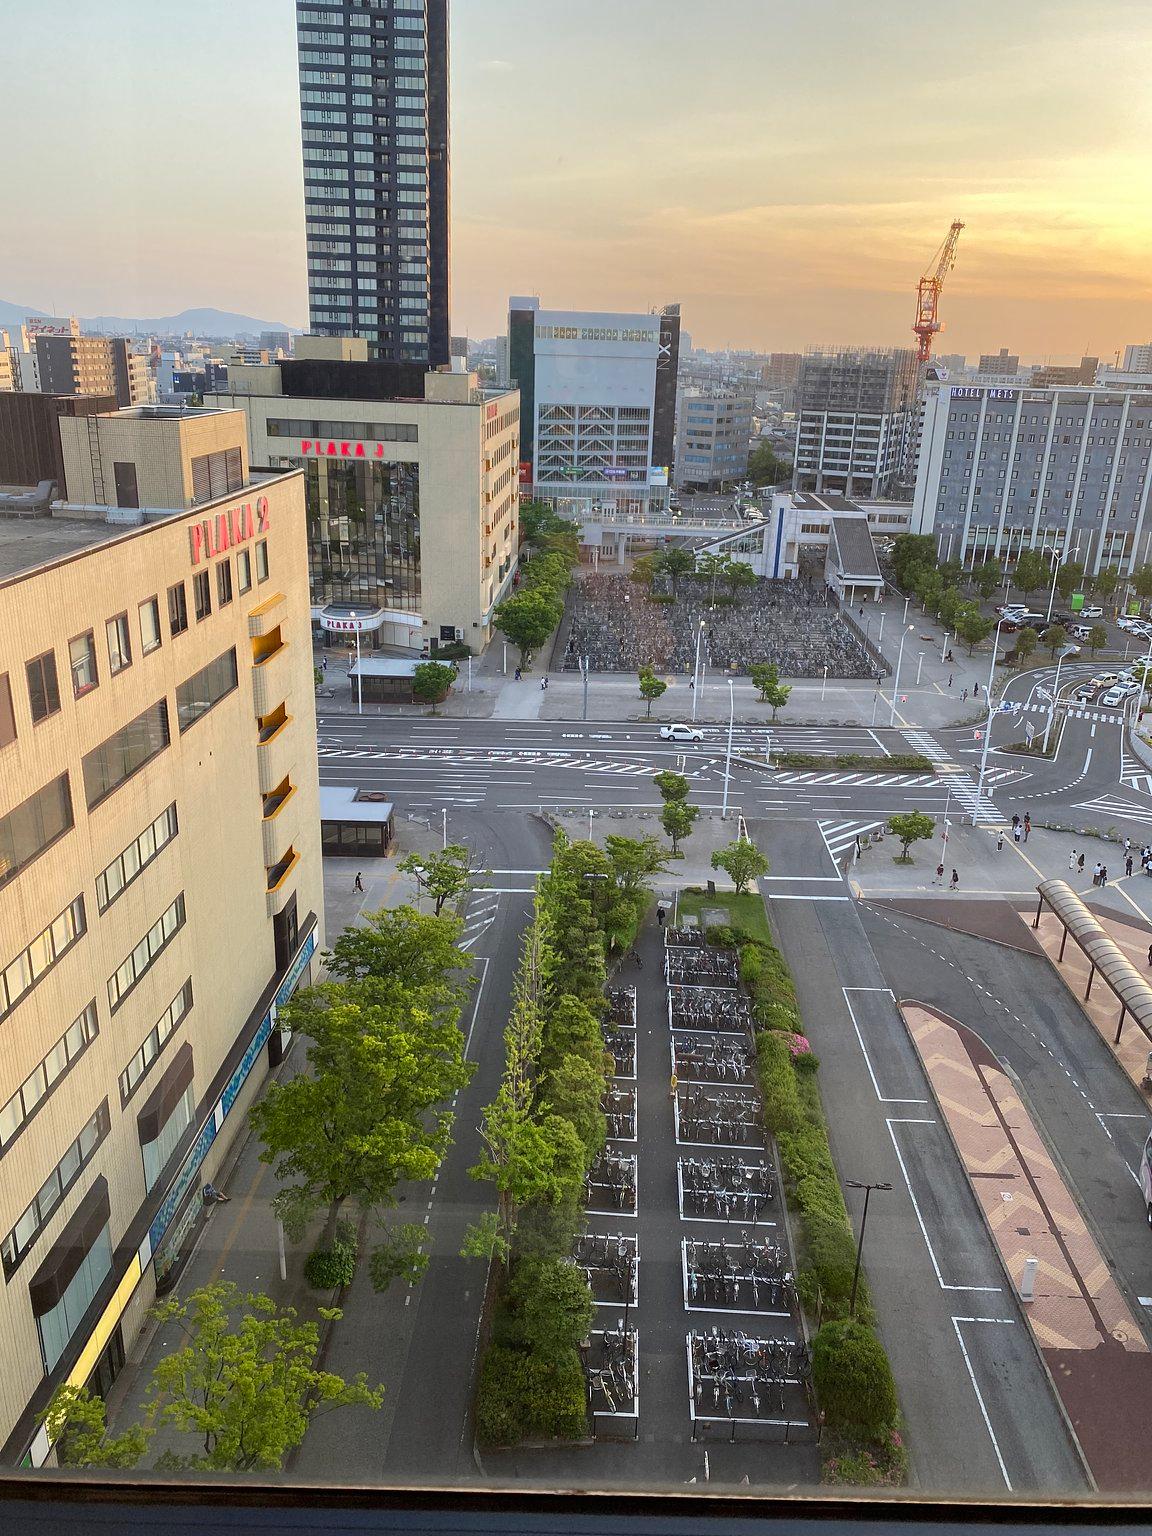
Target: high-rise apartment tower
[374, 114]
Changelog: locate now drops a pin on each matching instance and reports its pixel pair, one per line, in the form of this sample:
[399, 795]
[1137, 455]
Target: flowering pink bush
[799, 1045]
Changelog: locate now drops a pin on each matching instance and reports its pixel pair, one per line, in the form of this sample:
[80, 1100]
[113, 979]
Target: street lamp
[1056, 556]
[359, 679]
[728, 757]
[867, 1188]
[1055, 701]
[696, 669]
[896, 674]
[991, 713]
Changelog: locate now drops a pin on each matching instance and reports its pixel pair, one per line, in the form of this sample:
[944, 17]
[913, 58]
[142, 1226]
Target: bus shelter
[1105, 957]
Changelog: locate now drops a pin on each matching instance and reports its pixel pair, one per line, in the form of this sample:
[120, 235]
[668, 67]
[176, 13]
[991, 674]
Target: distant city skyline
[786, 184]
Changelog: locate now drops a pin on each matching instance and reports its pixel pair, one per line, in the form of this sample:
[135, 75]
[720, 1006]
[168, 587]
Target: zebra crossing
[1077, 712]
[488, 757]
[840, 836]
[1124, 810]
[1133, 774]
[980, 808]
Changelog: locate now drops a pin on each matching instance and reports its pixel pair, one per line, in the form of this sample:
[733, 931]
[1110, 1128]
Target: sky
[784, 171]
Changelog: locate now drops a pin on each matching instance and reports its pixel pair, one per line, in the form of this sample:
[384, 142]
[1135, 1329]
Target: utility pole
[867, 1188]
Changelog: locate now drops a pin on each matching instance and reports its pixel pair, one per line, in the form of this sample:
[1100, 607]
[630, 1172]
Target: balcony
[276, 874]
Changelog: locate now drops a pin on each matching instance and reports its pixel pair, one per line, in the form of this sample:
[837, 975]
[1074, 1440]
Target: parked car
[681, 733]
[1026, 616]
[1128, 621]
[1093, 611]
[1085, 692]
[1081, 631]
[1105, 679]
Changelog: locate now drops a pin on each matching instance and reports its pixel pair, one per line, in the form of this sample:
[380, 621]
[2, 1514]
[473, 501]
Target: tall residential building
[855, 413]
[1138, 358]
[71, 364]
[713, 432]
[1061, 468]
[374, 90]
[1083, 372]
[999, 362]
[160, 890]
[598, 405]
[412, 490]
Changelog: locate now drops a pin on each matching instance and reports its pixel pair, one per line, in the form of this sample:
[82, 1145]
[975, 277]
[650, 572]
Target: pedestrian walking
[949, 679]
[1027, 826]
[1072, 859]
[1128, 862]
[516, 674]
[999, 839]
[323, 663]
[1017, 833]
[661, 916]
[1127, 844]
[358, 884]
[1080, 865]
[1150, 957]
[938, 877]
[1096, 868]
[955, 884]
[964, 696]
[673, 1085]
[1103, 874]
[975, 690]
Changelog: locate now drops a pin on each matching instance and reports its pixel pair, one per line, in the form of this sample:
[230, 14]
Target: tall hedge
[854, 1381]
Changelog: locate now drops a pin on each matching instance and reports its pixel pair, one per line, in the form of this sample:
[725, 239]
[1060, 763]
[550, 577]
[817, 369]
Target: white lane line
[956, 1321]
[944, 1285]
[476, 1006]
[883, 1098]
[788, 896]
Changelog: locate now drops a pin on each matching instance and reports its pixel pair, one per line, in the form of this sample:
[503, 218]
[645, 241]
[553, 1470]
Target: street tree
[987, 577]
[765, 468]
[441, 874]
[972, 627]
[737, 574]
[1055, 639]
[1026, 642]
[634, 860]
[1105, 583]
[710, 567]
[651, 687]
[677, 819]
[765, 677]
[1032, 571]
[741, 861]
[243, 1387]
[551, 1305]
[399, 945]
[928, 584]
[672, 786]
[1141, 581]
[432, 681]
[527, 619]
[910, 827]
[1097, 637]
[675, 563]
[910, 550]
[951, 604]
[371, 1110]
[1069, 578]
[643, 570]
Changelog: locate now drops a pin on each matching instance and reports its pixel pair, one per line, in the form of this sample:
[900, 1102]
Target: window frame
[202, 595]
[180, 591]
[8, 731]
[224, 589]
[102, 1121]
[243, 571]
[118, 623]
[152, 602]
[38, 661]
[262, 566]
[90, 636]
[89, 1018]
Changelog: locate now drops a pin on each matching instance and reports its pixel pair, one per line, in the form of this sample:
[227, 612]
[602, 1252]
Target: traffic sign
[1029, 732]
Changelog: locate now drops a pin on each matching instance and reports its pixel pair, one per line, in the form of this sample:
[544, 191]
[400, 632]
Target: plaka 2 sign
[223, 531]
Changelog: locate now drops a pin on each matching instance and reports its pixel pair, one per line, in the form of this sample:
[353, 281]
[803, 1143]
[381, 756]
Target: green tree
[987, 578]
[1105, 583]
[1069, 578]
[1097, 637]
[765, 676]
[551, 1305]
[651, 687]
[643, 570]
[972, 627]
[737, 574]
[741, 861]
[675, 563]
[951, 573]
[634, 860]
[910, 550]
[677, 819]
[371, 1109]
[399, 945]
[710, 567]
[910, 827]
[244, 1386]
[950, 606]
[573, 1090]
[1055, 638]
[1141, 582]
[442, 874]
[538, 522]
[854, 1380]
[527, 618]
[672, 786]
[1026, 642]
[928, 585]
[77, 1425]
[432, 681]
[765, 468]
[317, 677]
[1032, 571]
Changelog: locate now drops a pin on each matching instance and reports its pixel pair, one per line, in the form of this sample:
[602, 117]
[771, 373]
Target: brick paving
[1092, 1345]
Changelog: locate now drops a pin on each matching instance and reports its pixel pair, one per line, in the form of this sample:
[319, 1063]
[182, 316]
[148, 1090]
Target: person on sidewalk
[1072, 859]
[964, 696]
[955, 883]
[1017, 832]
[673, 1085]
[938, 877]
[323, 663]
[213, 1196]
[949, 679]
[358, 884]
[1103, 874]
[1150, 957]
[1027, 826]
[1080, 865]
[1128, 862]
[1000, 840]
[516, 675]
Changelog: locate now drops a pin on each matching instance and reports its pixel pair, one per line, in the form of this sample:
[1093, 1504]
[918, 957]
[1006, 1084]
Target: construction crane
[928, 295]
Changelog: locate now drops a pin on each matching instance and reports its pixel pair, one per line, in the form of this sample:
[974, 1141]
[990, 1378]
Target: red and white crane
[928, 295]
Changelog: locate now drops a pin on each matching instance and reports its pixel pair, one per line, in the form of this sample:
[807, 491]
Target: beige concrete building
[160, 890]
[412, 498]
[154, 456]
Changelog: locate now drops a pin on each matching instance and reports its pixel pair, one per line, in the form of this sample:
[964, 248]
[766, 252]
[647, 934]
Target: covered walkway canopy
[1104, 955]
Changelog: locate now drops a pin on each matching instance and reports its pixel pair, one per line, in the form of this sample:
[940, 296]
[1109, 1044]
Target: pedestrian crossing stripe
[1074, 712]
[840, 836]
[1127, 810]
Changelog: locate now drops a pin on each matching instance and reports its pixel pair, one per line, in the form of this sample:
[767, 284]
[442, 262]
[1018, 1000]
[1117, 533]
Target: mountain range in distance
[200, 322]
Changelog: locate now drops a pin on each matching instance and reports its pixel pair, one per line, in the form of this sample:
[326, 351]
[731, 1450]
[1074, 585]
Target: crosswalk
[1133, 773]
[1124, 810]
[1077, 712]
[487, 757]
[980, 808]
[839, 836]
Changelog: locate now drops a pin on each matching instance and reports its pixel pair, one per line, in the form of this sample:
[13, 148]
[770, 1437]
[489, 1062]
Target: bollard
[1028, 1282]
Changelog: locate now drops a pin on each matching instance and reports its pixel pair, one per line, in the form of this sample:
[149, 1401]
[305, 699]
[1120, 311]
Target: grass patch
[745, 911]
[864, 762]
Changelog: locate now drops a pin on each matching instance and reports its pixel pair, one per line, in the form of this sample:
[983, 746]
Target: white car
[1120, 692]
[1094, 612]
[681, 733]
[1128, 621]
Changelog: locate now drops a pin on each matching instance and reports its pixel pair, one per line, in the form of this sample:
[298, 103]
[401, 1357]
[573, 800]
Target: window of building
[46, 949]
[202, 594]
[223, 583]
[166, 1115]
[125, 752]
[43, 691]
[39, 1212]
[7, 714]
[150, 639]
[140, 852]
[34, 825]
[205, 688]
[262, 560]
[158, 1037]
[127, 490]
[82, 660]
[146, 953]
[75, 1269]
[119, 643]
[244, 570]
[39, 1084]
[177, 609]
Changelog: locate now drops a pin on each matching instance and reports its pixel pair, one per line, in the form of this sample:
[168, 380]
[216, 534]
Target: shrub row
[898, 762]
[327, 1268]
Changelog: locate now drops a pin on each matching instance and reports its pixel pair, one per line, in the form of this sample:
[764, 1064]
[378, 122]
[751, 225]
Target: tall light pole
[1052, 706]
[359, 679]
[728, 756]
[696, 669]
[867, 1188]
[991, 713]
[1055, 575]
[896, 674]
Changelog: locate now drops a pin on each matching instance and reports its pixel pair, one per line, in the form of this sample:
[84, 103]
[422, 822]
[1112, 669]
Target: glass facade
[364, 533]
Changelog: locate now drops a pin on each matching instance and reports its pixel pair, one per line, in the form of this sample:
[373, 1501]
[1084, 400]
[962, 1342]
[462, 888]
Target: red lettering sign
[306, 445]
[263, 512]
[224, 530]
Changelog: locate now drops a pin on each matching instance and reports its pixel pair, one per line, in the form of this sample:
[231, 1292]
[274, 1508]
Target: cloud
[496, 67]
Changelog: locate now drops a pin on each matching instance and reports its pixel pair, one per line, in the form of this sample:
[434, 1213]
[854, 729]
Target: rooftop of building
[808, 501]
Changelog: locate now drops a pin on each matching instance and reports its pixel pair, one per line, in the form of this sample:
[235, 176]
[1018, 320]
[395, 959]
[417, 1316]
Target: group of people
[1100, 870]
[620, 627]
